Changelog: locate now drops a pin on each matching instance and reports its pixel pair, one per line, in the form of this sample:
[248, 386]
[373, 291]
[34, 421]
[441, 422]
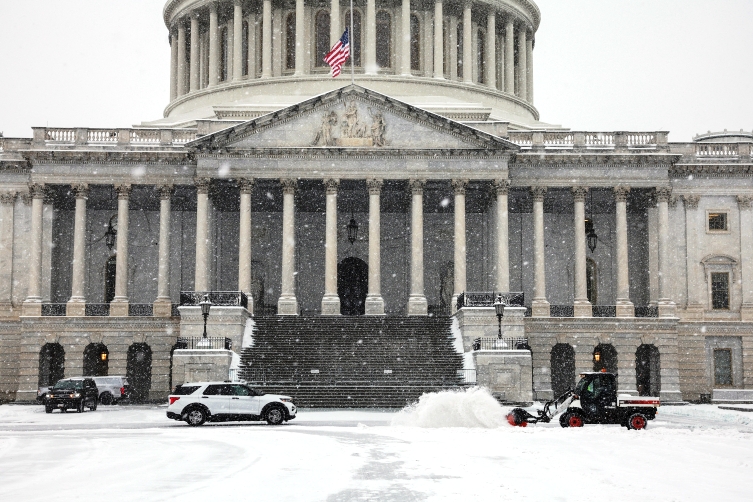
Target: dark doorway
[51, 364]
[352, 286]
[96, 359]
[110, 278]
[647, 370]
[139, 371]
[605, 358]
[563, 368]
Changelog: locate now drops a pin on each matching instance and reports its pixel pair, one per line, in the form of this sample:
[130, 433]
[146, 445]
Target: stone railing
[582, 141]
[742, 152]
[54, 136]
[487, 299]
[218, 298]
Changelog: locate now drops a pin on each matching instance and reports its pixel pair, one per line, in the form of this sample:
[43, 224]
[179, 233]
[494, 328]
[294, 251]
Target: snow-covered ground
[135, 453]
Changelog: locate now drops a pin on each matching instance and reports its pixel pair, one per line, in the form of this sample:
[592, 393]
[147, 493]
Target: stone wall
[201, 365]
[506, 374]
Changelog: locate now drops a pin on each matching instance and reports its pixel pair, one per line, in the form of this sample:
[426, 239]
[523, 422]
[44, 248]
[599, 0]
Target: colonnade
[466, 42]
[287, 303]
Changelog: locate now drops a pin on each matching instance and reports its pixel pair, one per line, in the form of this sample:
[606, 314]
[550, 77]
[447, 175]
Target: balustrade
[112, 137]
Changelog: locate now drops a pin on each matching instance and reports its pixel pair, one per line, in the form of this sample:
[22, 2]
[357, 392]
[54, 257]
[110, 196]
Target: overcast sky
[677, 65]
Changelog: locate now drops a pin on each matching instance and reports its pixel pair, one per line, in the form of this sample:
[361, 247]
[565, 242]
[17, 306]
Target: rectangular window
[718, 221]
[720, 290]
[722, 367]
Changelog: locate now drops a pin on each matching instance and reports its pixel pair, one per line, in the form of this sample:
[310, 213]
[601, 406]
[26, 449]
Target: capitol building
[404, 198]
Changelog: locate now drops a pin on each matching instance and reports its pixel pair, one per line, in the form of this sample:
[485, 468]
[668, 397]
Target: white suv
[111, 388]
[223, 401]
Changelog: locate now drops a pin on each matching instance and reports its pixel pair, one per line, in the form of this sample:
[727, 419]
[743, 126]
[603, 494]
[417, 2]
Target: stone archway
[562, 361]
[51, 364]
[96, 360]
[352, 286]
[648, 370]
[139, 371]
[605, 358]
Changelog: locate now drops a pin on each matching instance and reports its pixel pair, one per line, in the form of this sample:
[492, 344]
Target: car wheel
[48, 409]
[105, 398]
[63, 410]
[93, 407]
[196, 417]
[637, 421]
[275, 416]
[80, 407]
[572, 419]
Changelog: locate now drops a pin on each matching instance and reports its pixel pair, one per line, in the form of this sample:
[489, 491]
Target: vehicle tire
[63, 410]
[571, 419]
[106, 398]
[275, 415]
[48, 409]
[81, 406]
[637, 421]
[196, 416]
[93, 407]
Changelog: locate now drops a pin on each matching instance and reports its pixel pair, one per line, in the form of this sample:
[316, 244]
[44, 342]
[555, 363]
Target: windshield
[581, 387]
[69, 384]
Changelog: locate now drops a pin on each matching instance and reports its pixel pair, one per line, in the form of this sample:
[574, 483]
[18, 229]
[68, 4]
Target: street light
[205, 305]
[499, 308]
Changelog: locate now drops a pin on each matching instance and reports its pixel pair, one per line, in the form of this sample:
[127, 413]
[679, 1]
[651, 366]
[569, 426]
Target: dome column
[529, 61]
[503, 254]
[214, 47]
[467, 44]
[181, 60]
[510, 56]
[405, 39]
[173, 66]
[237, 40]
[335, 31]
[266, 39]
[438, 40]
[491, 50]
[522, 65]
[194, 68]
[300, 38]
[370, 66]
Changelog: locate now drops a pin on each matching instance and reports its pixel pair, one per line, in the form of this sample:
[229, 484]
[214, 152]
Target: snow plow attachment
[519, 417]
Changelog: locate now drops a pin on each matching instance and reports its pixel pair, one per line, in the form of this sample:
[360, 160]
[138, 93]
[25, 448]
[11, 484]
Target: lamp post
[205, 305]
[499, 308]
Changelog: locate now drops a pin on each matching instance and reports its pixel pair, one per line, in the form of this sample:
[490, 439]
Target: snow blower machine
[594, 401]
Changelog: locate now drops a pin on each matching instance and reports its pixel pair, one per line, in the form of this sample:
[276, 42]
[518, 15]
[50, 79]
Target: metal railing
[97, 309]
[199, 342]
[53, 309]
[604, 311]
[504, 343]
[218, 298]
[561, 311]
[647, 311]
[487, 299]
[140, 309]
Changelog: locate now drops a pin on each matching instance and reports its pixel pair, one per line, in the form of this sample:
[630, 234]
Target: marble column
[581, 305]
[244, 240]
[522, 64]
[667, 307]
[459, 257]
[237, 40]
[214, 46]
[467, 44]
[32, 305]
[194, 67]
[417, 304]
[7, 203]
[266, 39]
[181, 59]
[288, 303]
[491, 50]
[502, 188]
[745, 204]
[330, 301]
[173, 66]
[162, 306]
[300, 38]
[335, 31]
[201, 274]
[529, 72]
[509, 56]
[540, 305]
[405, 38]
[369, 49]
[625, 307]
[438, 40]
[119, 304]
[696, 289]
[76, 305]
[374, 300]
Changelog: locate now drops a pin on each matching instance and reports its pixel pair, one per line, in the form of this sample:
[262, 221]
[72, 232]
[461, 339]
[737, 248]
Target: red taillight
[173, 399]
[122, 391]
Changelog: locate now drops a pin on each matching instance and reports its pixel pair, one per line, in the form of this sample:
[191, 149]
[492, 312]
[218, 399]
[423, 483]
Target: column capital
[374, 185]
[246, 185]
[416, 186]
[37, 190]
[213, 7]
[288, 185]
[202, 185]
[538, 193]
[745, 201]
[331, 184]
[663, 194]
[580, 193]
[691, 201]
[165, 191]
[502, 186]
[621, 193]
[459, 186]
[124, 191]
[237, 3]
[7, 198]
[81, 190]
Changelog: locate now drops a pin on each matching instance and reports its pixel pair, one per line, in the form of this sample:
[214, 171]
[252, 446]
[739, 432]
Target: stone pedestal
[540, 308]
[118, 309]
[581, 309]
[75, 309]
[417, 305]
[625, 309]
[31, 309]
[330, 305]
[201, 365]
[374, 305]
[161, 308]
[507, 374]
[667, 309]
[746, 313]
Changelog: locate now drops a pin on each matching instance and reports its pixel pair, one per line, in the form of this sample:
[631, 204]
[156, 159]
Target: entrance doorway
[605, 358]
[51, 364]
[352, 286]
[139, 371]
[563, 368]
[647, 370]
[96, 360]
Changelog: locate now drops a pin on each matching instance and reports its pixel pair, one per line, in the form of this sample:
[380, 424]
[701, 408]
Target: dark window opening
[383, 40]
[605, 358]
[591, 283]
[290, 41]
[718, 221]
[355, 39]
[51, 364]
[96, 360]
[461, 76]
[223, 55]
[562, 362]
[322, 37]
[723, 367]
[415, 43]
[139, 371]
[720, 290]
[244, 49]
[481, 51]
[648, 370]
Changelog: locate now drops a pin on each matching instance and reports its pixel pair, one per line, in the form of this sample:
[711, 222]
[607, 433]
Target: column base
[374, 305]
[119, 308]
[162, 308]
[417, 305]
[75, 308]
[287, 305]
[330, 305]
[625, 309]
[582, 308]
[746, 312]
[667, 309]
[540, 308]
[31, 308]
[694, 311]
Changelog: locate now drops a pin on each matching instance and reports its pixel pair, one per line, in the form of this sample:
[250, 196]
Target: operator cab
[598, 395]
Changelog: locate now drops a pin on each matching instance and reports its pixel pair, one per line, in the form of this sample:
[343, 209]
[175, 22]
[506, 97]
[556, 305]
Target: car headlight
[50, 396]
[286, 400]
[76, 395]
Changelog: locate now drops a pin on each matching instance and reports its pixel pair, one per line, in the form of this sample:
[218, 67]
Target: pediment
[351, 117]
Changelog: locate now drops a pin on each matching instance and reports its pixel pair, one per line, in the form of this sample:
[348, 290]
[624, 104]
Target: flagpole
[352, 46]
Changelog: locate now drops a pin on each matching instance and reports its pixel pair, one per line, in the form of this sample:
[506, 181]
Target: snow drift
[474, 407]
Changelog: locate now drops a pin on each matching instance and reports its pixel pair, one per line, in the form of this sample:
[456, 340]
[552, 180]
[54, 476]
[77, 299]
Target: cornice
[712, 170]
[119, 157]
[320, 153]
[591, 159]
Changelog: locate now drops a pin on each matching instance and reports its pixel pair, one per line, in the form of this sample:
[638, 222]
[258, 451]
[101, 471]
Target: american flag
[338, 54]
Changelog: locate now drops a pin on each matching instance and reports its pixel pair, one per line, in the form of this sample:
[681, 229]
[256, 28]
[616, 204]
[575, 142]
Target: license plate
[61, 405]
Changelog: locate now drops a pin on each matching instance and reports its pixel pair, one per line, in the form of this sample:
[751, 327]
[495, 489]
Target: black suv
[76, 393]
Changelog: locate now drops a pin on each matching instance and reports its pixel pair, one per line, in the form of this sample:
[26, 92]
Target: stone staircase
[344, 362]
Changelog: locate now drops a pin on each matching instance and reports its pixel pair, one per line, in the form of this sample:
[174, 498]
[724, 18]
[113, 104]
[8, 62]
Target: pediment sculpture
[350, 131]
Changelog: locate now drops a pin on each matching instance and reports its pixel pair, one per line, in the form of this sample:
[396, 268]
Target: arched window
[51, 364]
[383, 40]
[139, 371]
[481, 55]
[591, 284]
[648, 370]
[415, 43]
[244, 49]
[290, 41]
[355, 39]
[96, 360]
[321, 41]
[460, 51]
[562, 362]
[605, 358]
[223, 54]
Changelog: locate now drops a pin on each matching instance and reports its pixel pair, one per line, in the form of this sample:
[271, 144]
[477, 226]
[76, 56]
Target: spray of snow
[474, 407]
[248, 333]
